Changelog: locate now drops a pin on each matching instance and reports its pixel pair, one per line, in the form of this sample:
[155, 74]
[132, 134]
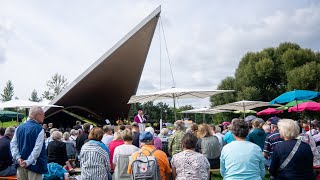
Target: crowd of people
[240, 149]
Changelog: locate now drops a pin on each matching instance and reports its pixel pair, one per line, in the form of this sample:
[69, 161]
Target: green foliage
[227, 84]
[305, 77]
[9, 123]
[184, 108]
[56, 84]
[249, 92]
[34, 96]
[296, 58]
[266, 74]
[8, 92]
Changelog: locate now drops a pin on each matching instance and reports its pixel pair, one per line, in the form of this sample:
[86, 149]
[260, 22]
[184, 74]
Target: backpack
[55, 172]
[145, 167]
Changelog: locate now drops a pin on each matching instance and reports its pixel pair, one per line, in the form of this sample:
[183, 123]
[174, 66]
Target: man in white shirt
[108, 136]
[28, 148]
[216, 131]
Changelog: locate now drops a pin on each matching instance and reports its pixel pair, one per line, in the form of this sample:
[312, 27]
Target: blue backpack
[55, 172]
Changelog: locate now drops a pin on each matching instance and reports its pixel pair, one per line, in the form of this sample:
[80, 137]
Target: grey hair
[117, 136]
[74, 132]
[266, 128]
[164, 131]
[218, 129]
[150, 129]
[10, 131]
[34, 110]
[288, 128]
[66, 136]
[53, 130]
[56, 135]
[179, 125]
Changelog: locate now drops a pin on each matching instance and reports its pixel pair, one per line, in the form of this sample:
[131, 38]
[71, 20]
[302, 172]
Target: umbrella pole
[310, 127]
[244, 111]
[297, 110]
[160, 118]
[174, 108]
[204, 117]
[17, 115]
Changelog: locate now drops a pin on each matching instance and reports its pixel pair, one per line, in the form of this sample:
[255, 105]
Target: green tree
[227, 84]
[266, 74]
[305, 77]
[55, 85]
[34, 96]
[184, 108]
[8, 92]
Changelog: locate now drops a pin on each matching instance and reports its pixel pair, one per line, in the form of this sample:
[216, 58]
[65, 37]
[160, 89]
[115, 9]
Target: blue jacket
[27, 134]
[257, 136]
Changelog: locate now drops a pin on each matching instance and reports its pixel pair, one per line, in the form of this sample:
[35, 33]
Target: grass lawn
[9, 123]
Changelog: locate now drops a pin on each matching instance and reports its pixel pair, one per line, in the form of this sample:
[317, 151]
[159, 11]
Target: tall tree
[226, 84]
[55, 85]
[266, 74]
[8, 92]
[34, 96]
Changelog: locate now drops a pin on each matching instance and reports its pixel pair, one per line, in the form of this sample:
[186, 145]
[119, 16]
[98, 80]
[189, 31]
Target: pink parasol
[306, 106]
[269, 111]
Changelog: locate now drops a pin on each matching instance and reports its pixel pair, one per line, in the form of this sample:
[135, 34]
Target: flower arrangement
[127, 122]
[123, 122]
[119, 122]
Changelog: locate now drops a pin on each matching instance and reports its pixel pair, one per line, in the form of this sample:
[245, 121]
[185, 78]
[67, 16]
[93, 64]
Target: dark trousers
[214, 163]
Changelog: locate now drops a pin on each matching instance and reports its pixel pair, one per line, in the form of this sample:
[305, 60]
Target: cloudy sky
[205, 39]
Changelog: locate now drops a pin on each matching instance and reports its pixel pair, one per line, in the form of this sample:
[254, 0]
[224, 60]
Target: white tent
[242, 105]
[24, 104]
[204, 111]
[174, 93]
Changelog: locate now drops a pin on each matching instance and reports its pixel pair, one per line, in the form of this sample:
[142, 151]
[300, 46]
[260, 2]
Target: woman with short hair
[121, 156]
[208, 145]
[190, 164]
[70, 145]
[241, 159]
[117, 141]
[300, 166]
[57, 151]
[94, 157]
[257, 135]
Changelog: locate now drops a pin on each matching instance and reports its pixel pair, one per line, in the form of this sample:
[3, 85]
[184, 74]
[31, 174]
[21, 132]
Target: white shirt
[220, 138]
[106, 139]
[124, 149]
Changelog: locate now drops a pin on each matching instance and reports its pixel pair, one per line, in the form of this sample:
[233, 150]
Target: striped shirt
[271, 141]
[94, 161]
